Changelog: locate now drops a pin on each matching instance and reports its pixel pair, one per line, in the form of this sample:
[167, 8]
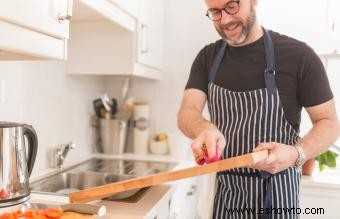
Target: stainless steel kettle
[16, 163]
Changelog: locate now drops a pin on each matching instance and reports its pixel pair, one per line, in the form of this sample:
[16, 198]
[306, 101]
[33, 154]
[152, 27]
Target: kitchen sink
[96, 172]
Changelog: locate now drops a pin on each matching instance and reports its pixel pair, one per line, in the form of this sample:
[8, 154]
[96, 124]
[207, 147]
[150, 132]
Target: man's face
[235, 29]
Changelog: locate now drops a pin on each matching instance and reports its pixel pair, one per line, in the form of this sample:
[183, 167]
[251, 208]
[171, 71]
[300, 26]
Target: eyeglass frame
[224, 9]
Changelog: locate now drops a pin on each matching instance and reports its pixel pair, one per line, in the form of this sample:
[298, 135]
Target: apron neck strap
[217, 61]
[269, 73]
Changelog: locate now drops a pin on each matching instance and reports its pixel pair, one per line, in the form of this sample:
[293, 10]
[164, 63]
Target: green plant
[328, 158]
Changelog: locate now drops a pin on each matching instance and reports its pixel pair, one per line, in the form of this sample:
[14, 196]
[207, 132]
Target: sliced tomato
[39, 216]
[8, 216]
[3, 194]
[53, 212]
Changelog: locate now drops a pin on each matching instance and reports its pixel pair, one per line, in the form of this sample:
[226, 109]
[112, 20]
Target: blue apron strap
[267, 204]
[217, 62]
[269, 73]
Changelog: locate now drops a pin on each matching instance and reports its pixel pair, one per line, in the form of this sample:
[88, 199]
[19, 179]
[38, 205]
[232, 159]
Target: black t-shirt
[300, 75]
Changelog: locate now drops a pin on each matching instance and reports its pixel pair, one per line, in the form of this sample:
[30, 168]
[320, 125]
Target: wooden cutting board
[74, 215]
[95, 193]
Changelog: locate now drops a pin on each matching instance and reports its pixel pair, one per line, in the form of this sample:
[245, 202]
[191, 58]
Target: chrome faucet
[61, 153]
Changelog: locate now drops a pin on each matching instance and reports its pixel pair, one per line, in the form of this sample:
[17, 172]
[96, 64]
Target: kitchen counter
[146, 207]
[155, 201]
[143, 208]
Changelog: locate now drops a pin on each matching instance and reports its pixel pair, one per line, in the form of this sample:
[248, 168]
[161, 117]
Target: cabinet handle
[173, 215]
[192, 190]
[68, 15]
[144, 38]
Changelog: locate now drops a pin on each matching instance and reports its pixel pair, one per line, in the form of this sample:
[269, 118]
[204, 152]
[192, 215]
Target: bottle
[141, 128]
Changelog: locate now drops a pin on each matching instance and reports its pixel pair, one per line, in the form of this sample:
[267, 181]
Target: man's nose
[226, 18]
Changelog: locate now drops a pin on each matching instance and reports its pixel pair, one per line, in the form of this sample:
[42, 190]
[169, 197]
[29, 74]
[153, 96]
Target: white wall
[56, 104]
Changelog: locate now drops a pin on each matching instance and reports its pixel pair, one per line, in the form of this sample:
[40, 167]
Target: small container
[159, 146]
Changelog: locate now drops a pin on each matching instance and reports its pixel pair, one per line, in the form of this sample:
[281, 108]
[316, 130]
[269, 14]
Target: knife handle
[99, 210]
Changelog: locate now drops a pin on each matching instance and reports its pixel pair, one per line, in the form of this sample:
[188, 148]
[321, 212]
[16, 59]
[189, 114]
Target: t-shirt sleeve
[313, 85]
[198, 77]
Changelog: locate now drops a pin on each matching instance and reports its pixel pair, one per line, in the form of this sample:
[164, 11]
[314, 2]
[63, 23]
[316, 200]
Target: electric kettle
[18, 149]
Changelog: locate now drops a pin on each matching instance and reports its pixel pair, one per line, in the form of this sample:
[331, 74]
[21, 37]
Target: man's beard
[246, 29]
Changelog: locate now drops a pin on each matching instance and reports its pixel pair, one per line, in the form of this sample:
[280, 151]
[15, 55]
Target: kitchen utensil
[75, 215]
[106, 102]
[83, 208]
[125, 89]
[98, 106]
[113, 133]
[246, 160]
[15, 164]
[114, 107]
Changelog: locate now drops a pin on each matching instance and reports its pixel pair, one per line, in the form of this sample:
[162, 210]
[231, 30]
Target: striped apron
[247, 119]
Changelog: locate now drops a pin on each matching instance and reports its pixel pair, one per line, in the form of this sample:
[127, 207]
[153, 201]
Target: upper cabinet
[34, 29]
[107, 44]
[334, 24]
[311, 21]
[104, 37]
[150, 33]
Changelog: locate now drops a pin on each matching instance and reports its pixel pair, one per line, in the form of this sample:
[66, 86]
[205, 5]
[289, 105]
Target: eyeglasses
[231, 8]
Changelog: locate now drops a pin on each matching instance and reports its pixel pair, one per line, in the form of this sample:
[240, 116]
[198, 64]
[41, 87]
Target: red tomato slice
[39, 216]
[3, 193]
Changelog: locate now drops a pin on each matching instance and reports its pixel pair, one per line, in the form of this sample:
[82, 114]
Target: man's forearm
[320, 137]
[192, 123]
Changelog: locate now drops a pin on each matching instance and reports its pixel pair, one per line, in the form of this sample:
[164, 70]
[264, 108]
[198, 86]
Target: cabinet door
[185, 199]
[39, 15]
[334, 24]
[305, 20]
[150, 33]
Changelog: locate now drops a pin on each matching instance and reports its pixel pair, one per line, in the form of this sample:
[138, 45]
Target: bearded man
[256, 82]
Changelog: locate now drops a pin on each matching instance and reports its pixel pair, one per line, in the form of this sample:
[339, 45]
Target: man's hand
[214, 140]
[281, 157]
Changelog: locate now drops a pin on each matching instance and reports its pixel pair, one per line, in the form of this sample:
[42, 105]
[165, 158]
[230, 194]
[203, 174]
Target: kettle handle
[32, 146]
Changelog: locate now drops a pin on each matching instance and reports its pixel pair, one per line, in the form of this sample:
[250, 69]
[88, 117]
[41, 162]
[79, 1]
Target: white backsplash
[56, 104]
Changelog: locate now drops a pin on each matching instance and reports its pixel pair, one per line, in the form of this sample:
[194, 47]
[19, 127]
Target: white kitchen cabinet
[334, 24]
[162, 209]
[130, 6]
[305, 20]
[185, 198]
[103, 43]
[150, 33]
[34, 29]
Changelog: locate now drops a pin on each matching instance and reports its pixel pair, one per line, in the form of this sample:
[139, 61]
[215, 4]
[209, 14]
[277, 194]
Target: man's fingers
[264, 146]
[211, 148]
[271, 159]
[221, 144]
[196, 149]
